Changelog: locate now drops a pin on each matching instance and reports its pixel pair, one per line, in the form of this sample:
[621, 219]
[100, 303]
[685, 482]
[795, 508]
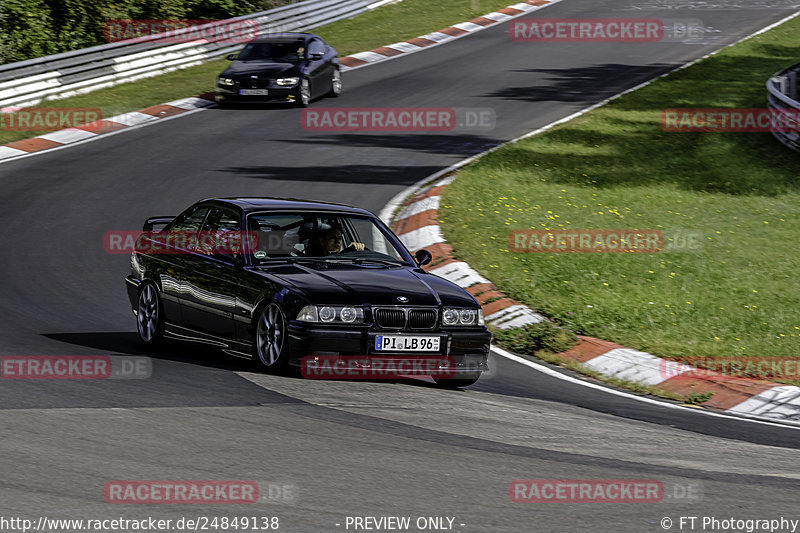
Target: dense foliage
[34, 28]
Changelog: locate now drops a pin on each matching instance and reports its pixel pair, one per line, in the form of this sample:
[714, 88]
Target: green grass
[405, 20]
[533, 338]
[385, 25]
[615, 168]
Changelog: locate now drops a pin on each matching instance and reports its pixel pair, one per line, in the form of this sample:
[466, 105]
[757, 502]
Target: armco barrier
[782, 97]
[27, 83]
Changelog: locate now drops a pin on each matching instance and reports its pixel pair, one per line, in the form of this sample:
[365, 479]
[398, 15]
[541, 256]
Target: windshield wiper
[271, 260]
[360, 260]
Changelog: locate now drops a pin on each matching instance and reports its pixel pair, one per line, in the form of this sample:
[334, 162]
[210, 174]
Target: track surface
[353, 448]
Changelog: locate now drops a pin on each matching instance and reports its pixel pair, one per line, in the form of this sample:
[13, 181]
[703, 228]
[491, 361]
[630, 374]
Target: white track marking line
[550, 372]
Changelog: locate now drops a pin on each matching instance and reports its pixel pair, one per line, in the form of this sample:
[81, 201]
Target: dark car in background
[283, 67]
[309, 280]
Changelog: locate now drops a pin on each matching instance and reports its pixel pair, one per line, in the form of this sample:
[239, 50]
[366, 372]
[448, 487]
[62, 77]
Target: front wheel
[149, 316]
[336, 84]
[303, 97]
[270, 339]
[455, 383]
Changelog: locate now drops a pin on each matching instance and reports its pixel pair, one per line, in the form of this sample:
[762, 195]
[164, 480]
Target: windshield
[320, 236]
[278, 51]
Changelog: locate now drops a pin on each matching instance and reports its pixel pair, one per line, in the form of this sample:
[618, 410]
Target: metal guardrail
[782, 98]
[27, 83]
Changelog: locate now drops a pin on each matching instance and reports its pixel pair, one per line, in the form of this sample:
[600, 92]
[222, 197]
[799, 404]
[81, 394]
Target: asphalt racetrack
[346, 449]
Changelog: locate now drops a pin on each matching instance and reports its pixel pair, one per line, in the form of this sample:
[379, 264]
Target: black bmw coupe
[280, 281]
[293, 67]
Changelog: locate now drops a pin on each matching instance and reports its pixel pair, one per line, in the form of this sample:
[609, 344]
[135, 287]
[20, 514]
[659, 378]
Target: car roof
[284, 37]
[249, 205]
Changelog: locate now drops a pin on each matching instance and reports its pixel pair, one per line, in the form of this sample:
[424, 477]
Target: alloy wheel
[270, 335]
[148, 314]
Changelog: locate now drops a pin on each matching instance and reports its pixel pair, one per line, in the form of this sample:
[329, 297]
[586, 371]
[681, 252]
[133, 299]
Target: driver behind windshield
[276, 51]
[329, 240]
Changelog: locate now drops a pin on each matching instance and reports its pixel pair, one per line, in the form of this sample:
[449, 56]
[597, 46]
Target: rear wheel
[270, 339]
[455, 383]
[149, 315]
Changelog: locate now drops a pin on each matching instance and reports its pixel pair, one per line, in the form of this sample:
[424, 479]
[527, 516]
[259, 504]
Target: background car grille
[401, 318]
[249, 83]
[390, 318]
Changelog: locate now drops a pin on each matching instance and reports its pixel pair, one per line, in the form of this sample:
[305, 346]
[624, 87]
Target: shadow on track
[580, 85]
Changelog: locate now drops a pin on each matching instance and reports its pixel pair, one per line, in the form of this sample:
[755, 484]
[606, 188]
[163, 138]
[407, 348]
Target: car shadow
[127, 343]
[250, 106]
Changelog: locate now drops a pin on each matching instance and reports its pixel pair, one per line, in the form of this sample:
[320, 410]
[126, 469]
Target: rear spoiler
[156, 221]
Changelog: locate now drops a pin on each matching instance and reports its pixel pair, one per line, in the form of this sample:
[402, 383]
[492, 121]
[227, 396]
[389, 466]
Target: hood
[337, 283]
[267, 69]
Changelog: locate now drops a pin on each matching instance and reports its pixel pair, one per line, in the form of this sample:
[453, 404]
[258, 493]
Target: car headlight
[450, 317]
[225, 81]
[331, 314]
[462, 317]
[287, 82]
[327, 314]
[348, 314]
[308, 314]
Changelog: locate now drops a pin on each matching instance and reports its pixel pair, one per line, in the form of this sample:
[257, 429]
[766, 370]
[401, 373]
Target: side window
[221, 236]
[190, 221]
[223, 220]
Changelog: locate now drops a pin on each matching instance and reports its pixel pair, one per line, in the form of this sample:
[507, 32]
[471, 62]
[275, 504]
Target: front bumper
[275, 95]
[468, 350]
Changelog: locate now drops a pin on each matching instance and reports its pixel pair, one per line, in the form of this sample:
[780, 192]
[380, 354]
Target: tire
[303, 97]
[456, 383]
[269, 344]
[336, 82]
[150, 316]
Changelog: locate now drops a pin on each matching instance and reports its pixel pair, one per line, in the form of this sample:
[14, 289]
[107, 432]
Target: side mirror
[423, 257]
[231, 57]
[315, 57]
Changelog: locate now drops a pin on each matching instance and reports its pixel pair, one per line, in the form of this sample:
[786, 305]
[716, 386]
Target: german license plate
[253, 92]
[406, 343]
